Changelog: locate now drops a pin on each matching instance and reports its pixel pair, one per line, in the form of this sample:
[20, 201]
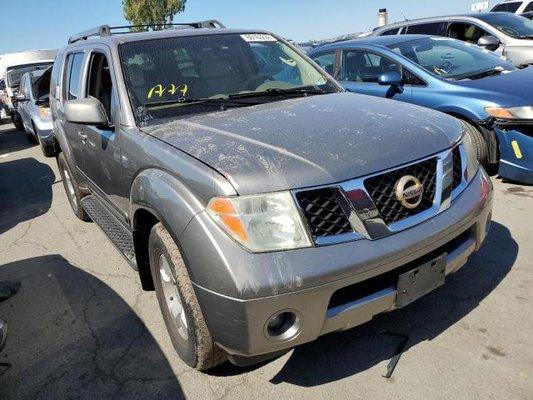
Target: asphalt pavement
[80, 326]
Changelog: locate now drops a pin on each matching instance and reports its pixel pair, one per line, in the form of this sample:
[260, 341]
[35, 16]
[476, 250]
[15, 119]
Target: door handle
[82, 136]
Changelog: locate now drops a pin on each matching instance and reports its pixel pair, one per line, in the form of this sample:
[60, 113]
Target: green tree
[152, 12]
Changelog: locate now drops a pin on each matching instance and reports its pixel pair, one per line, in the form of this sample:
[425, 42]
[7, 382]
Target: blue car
[484, 90]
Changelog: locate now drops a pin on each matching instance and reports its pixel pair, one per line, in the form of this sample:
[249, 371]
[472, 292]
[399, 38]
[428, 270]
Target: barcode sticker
[258, 37]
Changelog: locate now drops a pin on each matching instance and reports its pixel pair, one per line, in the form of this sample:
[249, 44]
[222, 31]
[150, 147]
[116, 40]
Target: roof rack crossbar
[106, 30]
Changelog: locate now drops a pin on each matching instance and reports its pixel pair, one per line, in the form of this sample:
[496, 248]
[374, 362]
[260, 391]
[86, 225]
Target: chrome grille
[381, 189]
[323, 212]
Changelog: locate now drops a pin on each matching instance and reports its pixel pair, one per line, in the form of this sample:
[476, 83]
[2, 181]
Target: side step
[116, 232]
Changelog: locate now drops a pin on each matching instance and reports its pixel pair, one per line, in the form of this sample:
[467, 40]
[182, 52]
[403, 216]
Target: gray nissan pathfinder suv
[264, 205]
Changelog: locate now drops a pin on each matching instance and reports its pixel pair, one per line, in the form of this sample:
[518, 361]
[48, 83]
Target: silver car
[33, 105]
[506, 34]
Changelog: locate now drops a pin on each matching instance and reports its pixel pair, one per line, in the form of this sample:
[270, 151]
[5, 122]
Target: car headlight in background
[44, 112]
[472, 164]
[510, 113]
[266, 222]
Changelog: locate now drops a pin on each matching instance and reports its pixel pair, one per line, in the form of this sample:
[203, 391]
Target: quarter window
[73, 75]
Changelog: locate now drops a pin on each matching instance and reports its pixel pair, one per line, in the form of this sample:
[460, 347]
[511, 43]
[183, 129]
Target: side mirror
[390, 79]
[87, 111]
[489, 42]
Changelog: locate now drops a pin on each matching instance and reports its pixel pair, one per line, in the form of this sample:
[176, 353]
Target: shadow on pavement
[343, 354]
[25, 191]
[12, 140]
[71, 336]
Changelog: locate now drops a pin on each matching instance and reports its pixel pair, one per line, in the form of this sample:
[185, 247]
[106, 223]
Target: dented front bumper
[330, 288]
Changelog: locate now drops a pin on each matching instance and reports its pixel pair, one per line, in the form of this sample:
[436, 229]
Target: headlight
[472, 164]
[44, 112]
[261, 223]
[511, 113]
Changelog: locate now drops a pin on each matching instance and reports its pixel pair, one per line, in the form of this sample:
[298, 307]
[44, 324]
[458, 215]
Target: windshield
[15, 73]
[510, 6]
[511, 24]
[167, 77]
[449, 58]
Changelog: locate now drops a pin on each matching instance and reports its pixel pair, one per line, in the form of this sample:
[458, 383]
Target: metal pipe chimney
[383, 17]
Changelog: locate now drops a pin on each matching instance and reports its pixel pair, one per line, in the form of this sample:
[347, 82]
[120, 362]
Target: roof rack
[106, 30]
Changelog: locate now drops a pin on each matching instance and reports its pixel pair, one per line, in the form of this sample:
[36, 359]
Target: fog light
[283, 326]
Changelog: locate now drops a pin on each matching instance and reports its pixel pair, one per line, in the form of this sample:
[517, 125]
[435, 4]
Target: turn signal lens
[500, 113]
[227, 215]
[261, 223]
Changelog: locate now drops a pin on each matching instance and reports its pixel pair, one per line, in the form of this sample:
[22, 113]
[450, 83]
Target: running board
[115, 231]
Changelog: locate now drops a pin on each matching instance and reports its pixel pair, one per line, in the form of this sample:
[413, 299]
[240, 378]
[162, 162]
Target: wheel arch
[159, 197]
[483, 126]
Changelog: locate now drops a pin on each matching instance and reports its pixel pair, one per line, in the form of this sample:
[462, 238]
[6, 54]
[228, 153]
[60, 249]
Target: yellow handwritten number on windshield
[159, 90]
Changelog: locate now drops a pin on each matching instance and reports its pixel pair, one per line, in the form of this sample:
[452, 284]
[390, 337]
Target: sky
[44, 24]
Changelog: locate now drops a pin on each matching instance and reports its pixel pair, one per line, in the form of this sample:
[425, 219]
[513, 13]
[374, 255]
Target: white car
[514, 6]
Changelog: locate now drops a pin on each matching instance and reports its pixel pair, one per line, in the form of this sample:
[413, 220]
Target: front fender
[460, 112]
[166, 197]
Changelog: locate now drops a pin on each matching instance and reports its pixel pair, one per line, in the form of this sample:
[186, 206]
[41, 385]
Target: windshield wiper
[525, 37]
[273, 92]
[219, 102]
[482, 74]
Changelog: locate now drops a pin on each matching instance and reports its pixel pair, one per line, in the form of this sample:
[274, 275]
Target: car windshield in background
[191, 74]
[15, 73]
[511, 24]
[511, 7]
[451, 59]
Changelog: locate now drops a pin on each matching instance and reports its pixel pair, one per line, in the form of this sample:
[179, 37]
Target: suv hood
[507, 89]
[309, 141]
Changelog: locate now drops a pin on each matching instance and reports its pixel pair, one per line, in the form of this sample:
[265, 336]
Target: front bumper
[44, 132]
[239, 291]
[516, 152]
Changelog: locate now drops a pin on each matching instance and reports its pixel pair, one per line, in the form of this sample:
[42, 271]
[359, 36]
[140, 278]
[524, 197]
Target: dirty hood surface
[309, 141]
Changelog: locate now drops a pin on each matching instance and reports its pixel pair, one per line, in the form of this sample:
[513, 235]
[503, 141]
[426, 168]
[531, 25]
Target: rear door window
[390, 32]
[435, 28]
[73, 75]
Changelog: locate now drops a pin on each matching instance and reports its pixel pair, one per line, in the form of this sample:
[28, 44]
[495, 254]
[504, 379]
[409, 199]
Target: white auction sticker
[258, 37]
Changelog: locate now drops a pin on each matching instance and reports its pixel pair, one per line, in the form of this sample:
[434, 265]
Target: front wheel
[180, 308]
[480, 144]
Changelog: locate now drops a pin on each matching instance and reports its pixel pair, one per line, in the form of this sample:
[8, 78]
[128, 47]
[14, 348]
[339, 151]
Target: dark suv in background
[264, 204]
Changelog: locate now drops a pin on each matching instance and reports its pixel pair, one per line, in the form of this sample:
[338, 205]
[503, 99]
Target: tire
[180, 308]
[35, 133]
[74, 194]
[480, 144]
[17, 121]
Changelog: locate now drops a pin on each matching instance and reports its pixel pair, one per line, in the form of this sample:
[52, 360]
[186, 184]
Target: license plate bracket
[420, 281]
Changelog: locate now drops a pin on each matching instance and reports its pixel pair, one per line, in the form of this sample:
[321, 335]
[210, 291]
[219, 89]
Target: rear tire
[72, 189]
[180, 308]
[480, 144]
